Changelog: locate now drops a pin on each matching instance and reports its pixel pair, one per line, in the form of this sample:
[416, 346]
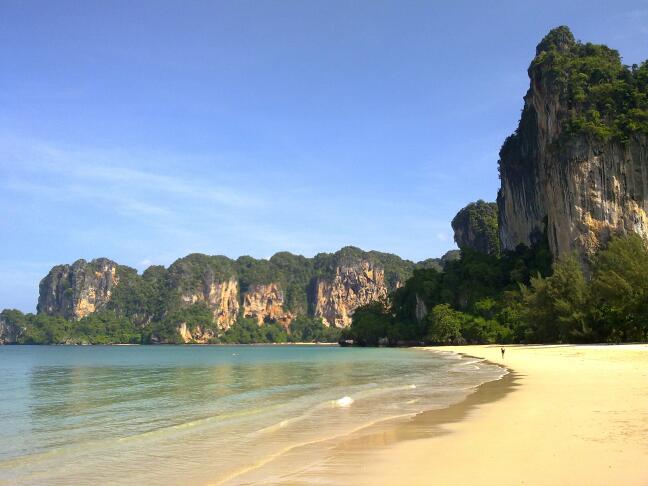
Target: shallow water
[204, 414]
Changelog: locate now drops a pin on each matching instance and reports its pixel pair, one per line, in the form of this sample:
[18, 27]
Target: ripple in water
[203, 414]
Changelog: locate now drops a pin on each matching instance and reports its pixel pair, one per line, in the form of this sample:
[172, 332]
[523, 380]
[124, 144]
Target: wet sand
[345, 457]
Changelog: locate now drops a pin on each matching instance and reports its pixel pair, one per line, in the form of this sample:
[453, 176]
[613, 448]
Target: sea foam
[343, 402]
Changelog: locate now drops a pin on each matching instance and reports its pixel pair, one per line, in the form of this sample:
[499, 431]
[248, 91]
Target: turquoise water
[202, 414]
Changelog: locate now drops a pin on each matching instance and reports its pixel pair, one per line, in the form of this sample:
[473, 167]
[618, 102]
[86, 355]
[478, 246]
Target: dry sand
[571, 415]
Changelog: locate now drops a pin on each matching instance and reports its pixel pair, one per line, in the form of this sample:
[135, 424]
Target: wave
[343, 402]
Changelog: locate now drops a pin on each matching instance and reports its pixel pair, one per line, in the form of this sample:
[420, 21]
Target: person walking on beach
[502, 352]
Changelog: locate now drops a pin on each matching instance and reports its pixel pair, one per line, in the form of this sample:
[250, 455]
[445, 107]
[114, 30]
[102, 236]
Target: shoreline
[350, 453]
[573, 414]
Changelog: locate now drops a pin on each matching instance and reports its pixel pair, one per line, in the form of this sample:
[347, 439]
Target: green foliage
[476, 276]
[252, 271]
[140, 297]
[444, 325]
[396, 269]
[193, 316]
[247, 331]
[604, 98]
[103, 327]
[371, 323]
[153, 301]
[449, 326]
[13, 317]
[511, 316]
[423, 289]
[42, 329]
[478, 330]
[518, 297]
[484, 298]
[151, 308]
[294, 274]
[481, 287]
[106, 327]
[297, 272]
[476, 227]
[479, 298]
[612, 306]
[190, 273]
[555, 306]
[305, 329]
[619, 291]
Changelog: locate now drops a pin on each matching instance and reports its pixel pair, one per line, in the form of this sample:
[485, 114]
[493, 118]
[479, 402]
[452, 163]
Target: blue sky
[144, 131]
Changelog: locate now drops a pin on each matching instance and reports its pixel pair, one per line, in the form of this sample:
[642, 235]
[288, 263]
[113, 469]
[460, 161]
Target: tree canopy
[518, 297]
[603, 97]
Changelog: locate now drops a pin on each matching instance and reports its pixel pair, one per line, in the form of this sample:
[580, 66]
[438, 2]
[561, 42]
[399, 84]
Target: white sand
[578, 415]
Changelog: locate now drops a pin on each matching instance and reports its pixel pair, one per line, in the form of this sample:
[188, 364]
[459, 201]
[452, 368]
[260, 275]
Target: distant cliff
[353, 285]
[10, 327]
[576, 168]
[74, 291]
[327, 286]
[475, 227]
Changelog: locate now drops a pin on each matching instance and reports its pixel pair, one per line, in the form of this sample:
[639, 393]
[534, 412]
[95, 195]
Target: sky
[145, 131]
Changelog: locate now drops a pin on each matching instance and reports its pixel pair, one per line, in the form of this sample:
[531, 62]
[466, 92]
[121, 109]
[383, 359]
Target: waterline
[197, 415]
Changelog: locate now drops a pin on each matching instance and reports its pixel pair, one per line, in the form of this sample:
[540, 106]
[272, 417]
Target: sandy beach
[572, 415]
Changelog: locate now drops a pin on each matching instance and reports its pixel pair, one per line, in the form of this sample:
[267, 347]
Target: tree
[311, 329]
[619, 299]
[246, 330]
[556, 305]
[371, 323]
[444, 324]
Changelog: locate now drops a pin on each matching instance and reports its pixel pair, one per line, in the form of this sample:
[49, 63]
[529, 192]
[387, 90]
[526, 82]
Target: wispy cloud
[226, 211]
[110, 170]
[116, 200]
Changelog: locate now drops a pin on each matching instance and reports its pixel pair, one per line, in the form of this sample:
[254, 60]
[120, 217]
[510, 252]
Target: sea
[86, 415]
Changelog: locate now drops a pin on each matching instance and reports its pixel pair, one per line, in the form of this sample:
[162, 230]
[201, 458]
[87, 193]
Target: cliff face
[222, 298]
[572, 168]
[330, 286]
[74, 291]
[353, 286]
[10, 330]
[265, 302]
[199, 335]
[475, 227]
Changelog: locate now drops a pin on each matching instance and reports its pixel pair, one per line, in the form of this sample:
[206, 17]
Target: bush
[444, 325]
[248, 331]
[309, 329]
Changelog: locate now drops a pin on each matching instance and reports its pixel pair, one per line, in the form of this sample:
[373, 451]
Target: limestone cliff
[421, 310]
[475, 227]
[352, 286]
[329, 285]
[206, 279]
[199, 335]
[265, 302]
[577, 166]
[220, 297]
[10, 328]
[74, 291]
